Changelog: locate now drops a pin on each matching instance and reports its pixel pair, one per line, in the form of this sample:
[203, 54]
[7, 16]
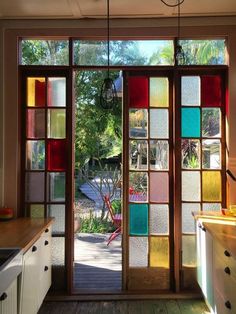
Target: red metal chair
[116, 220]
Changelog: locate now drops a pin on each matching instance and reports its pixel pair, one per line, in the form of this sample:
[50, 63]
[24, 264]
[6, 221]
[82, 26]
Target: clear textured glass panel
[138, 219]
[58, 212]
[138, 92]
[138, 151]
[211, 91]
[159, 155]
[191, 186]
[36, 210]
[188, 224]
[211, 186]
[138, 252]
[138, 186]
[44, 52]
[56, 123]
[211, 206]
[35, 123]
[216, 51]
[159, 124]
[190, 122]
[211, 122]
[58, 251]
[159, 252]
[190, 91]
[57, 155]
[36, 92]
[138, 122]
[159, 219]
[189, 250]
[190, 150]
[159, 92]
[35, 155]
[211, 153]
[34, 187]
[124, 52]
[56, 91]
[56, 187]
[159, 187]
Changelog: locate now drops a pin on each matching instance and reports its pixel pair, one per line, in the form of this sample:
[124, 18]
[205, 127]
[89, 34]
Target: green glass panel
[138, 219]
[36, 210]
[211, 186]
[190, 122]
[159, 252]
[56, 123]
[159, 92]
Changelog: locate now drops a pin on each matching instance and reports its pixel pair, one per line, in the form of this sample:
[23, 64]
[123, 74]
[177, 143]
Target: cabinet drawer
[47, 232]
[226, 257]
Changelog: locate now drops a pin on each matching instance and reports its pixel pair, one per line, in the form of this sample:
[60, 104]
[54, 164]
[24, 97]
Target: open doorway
[98, 155]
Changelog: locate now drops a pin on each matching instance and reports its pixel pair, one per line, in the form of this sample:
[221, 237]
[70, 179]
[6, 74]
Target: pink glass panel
[35, 123]
[159, 187]
[138, 92]
[211, 91]
[56, 150]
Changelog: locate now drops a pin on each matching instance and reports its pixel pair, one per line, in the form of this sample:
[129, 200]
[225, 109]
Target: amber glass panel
[159, 92]
[138, 154]
[35, 155]
[159, 187]
[138, 121]
[211, 186]
[159, 252]
[159, 155]
[56, 91]
[36, 210]
[211, 125]
[34, 187]
[138, 251]
[56, 187]
[190, 150]
[138, 186]
[35, 123]
[211, 153]
[57, 155]
[36, 91]
[189, 250]
[138, 92]
[56, 123]
[211, 91]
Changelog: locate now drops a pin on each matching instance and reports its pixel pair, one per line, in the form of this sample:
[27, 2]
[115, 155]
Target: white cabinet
[36, 275]
[8, 300]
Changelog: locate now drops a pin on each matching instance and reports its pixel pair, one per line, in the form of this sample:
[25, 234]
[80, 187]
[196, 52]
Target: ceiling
[80, 9]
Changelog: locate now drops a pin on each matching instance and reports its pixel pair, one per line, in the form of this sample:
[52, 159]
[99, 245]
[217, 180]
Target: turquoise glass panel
[190, 122]
[138, 219]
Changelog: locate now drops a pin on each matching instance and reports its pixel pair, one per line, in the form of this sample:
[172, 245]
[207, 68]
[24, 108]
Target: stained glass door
[148, 192]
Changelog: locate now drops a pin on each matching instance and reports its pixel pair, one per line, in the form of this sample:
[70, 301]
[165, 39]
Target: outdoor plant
[94, 224]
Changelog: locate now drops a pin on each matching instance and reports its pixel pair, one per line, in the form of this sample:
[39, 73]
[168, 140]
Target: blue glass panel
[190, 122]
[138, 219]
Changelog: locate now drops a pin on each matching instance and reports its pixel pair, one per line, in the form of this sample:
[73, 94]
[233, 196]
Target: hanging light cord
[173, 5]
[108, 39]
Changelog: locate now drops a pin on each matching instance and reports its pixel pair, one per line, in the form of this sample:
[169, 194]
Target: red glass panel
[40, 93]
[138, 92]
[211, 91]
[56, 150]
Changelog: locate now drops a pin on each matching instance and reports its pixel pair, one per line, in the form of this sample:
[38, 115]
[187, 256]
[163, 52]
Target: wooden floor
[96, 265]
[126, 307]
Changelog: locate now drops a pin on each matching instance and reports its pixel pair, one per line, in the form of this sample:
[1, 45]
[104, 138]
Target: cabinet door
[9, 304]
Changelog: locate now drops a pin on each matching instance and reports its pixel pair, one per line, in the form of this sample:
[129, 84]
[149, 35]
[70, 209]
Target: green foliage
[116, 205]
[93, 224]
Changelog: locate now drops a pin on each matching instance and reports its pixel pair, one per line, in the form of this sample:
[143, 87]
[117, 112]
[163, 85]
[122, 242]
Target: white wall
[11, 30]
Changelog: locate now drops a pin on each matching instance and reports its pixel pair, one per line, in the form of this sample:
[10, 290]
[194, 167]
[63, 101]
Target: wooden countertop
[213, 215]
[225, 234]
[22, 232]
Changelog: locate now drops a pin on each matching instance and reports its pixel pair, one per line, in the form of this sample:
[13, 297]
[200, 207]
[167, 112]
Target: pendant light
[108, 95]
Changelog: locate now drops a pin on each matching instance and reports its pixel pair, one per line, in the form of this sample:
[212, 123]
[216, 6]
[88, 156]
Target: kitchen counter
[22, 232]
[213, 216]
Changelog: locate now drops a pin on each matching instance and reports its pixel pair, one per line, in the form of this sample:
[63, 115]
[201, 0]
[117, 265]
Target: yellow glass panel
[211, 186]
[159, 252]
[189, 250]
[159, 92]
[34, 95]
[36, 211]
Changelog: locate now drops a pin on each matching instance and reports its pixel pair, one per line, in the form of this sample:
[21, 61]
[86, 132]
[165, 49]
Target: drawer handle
[201, 227]
[46, 242]
[46, 268]
[3, 296]
[46, 230]
[227, 270]
[227, 253]
[228, 304]
[34, 248]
